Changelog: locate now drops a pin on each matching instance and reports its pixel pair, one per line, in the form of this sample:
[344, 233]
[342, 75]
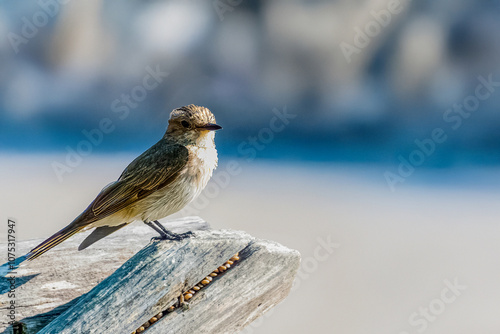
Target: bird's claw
[178, 236]
[173, 236]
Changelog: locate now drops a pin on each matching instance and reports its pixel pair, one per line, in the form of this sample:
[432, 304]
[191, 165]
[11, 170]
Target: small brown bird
[160, 182]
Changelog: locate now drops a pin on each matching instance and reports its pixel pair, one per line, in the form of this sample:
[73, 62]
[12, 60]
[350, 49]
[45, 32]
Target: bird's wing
[153, 170]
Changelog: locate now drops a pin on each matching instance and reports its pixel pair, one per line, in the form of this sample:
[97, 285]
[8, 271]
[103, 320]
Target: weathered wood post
[108, 289]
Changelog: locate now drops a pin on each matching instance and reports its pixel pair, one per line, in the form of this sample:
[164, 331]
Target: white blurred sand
[396, 249]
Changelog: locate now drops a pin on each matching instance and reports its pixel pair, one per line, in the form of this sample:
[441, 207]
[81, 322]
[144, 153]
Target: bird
[158, 183]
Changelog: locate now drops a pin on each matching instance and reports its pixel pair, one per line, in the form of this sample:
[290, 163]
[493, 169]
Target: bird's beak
[210, 127]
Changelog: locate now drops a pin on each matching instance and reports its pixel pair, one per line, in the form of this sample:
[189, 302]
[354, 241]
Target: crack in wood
[189, 294]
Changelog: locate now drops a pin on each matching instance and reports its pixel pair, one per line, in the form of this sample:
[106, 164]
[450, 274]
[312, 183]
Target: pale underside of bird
[160, 182]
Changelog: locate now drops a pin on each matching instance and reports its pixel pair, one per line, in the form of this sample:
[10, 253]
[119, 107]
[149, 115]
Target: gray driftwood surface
[108, 289]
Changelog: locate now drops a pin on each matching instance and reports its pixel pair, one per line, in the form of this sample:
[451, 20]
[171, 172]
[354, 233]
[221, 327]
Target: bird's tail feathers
[53, 241]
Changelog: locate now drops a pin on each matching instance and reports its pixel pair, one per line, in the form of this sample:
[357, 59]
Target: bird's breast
[201, 165]
[186, 187]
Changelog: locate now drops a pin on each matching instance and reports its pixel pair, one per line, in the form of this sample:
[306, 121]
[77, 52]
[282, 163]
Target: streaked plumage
[158, 183]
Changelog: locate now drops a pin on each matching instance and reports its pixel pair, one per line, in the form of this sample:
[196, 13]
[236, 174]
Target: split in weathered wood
[193, 291]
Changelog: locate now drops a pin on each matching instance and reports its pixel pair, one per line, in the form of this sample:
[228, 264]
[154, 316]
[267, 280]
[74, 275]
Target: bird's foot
[173, 236]
[168, 235]
[176, 236]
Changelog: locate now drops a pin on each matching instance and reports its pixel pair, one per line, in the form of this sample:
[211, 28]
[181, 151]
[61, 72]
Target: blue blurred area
[245, 59]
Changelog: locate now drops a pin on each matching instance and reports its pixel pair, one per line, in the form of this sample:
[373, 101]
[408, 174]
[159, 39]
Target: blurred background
[372, 125]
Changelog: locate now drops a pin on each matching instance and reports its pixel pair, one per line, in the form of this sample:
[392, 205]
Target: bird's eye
[185, 124]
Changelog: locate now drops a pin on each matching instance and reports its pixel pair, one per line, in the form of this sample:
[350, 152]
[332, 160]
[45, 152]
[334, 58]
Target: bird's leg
[171, 235]
[160, 232]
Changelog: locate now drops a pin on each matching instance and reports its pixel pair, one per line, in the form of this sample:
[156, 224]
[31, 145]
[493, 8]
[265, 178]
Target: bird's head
[192, 125]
